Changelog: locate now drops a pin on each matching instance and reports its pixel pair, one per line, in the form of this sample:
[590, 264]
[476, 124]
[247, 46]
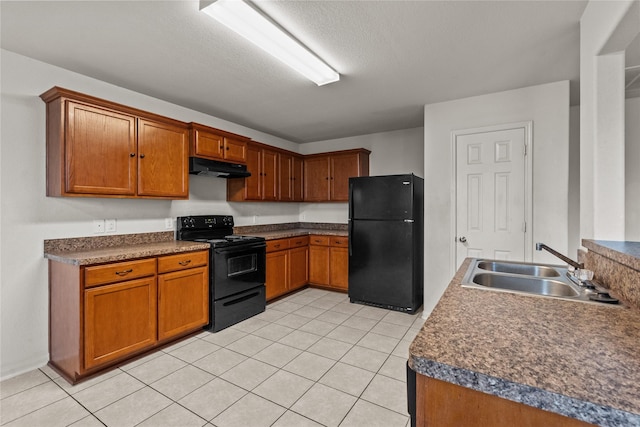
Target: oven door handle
[240, 248]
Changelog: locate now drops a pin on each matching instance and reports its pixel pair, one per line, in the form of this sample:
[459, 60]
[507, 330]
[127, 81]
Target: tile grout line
[305, 303]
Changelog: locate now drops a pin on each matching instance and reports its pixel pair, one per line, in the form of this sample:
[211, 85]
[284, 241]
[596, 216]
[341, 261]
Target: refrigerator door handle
[350, 236]
[350, 200]
[409, 220]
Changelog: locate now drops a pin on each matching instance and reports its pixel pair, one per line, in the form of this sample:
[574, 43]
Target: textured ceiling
[394, 56]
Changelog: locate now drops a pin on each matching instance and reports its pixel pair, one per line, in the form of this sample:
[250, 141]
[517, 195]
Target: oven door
[237, 269]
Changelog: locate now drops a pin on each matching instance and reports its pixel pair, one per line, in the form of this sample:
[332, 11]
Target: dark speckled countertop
[283, 231]
[283, 234]
[624, 252]
[577, 359]
[98, 250]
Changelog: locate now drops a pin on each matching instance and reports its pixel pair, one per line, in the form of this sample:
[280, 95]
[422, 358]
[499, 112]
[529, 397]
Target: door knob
[462, 239]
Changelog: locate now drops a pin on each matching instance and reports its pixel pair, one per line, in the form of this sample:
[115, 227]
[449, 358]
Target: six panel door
[490, 189]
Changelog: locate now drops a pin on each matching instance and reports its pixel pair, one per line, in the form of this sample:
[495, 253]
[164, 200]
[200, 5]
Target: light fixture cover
[245, 20]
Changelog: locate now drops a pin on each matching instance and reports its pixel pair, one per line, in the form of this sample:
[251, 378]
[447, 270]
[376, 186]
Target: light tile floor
[311, 359]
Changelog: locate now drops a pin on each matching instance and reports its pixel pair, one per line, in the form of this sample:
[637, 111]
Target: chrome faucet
[541, 246]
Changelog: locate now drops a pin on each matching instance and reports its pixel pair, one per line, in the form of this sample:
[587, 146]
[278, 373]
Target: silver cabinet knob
[462, 239]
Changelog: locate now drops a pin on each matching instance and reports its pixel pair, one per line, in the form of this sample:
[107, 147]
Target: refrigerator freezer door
[381, 197]
[381, 264]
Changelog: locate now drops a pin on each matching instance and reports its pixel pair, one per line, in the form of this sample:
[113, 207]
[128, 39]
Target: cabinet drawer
[340, 241]
[277, 245]
[182, 261]
[319, 240]
[116, 272]
[297, 242]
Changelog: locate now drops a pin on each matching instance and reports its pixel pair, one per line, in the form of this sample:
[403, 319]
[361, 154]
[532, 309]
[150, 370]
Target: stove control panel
[204, 221]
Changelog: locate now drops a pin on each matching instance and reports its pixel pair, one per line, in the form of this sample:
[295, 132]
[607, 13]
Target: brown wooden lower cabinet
[329, 262]
[183, 302]
[119, 319]
[442, 404]
[276, 275]
[287, 265]
[299, 266]
[100, 315]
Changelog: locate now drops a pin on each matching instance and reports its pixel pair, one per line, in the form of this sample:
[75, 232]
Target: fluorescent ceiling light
[258, 29]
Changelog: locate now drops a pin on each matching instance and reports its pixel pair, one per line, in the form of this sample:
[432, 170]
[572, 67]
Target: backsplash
[616, 265]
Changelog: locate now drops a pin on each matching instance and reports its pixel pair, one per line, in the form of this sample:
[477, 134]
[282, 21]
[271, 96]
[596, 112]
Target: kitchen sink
[531, 285]
[519, 268]
[544, 280]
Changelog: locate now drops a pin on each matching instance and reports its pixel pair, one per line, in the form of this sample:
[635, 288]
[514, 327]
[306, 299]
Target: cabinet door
[183, 301]
[252, 184]
[100, 151]
[339, 268]
[163, 160]
[119, 319]
[316, 179]
[343, 166]
[285, 181]
[319, 264]
[298, 267]
[208, 145]
[269, 175]
[235, 150]
[298, 179]
[276, 274]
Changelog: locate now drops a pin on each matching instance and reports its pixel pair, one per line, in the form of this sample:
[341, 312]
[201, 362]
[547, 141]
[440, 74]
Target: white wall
[573, 214]
[632, 169]
[392, 153]
[548, 107]
[606, 29]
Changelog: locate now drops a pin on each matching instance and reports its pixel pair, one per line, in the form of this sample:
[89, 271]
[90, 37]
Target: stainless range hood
[214, 168]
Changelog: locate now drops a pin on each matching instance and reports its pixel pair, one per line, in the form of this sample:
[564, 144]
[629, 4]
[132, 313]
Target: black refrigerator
[386, 254]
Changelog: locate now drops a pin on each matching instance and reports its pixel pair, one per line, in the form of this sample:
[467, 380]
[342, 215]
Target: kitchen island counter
[580, 360]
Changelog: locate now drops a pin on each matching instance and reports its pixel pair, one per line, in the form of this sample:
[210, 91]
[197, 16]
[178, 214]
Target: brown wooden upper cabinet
[281, 175]
[216, 144]
[262, 162]
[97, 148]
[326, 175]
[290, 178]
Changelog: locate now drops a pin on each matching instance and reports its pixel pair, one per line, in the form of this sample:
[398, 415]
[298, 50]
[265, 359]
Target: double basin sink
[519, 277]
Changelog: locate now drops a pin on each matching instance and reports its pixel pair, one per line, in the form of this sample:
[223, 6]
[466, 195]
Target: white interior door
[491, 194]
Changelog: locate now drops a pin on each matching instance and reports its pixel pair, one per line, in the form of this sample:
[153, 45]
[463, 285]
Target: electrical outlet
[110, 225]
[98, 226]
[168, 223]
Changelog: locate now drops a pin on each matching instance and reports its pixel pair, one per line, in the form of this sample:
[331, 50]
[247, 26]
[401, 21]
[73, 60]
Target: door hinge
[525, 150]
[524, 227]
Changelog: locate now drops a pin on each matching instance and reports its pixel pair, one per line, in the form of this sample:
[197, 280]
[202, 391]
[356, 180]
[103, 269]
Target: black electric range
[236, 268]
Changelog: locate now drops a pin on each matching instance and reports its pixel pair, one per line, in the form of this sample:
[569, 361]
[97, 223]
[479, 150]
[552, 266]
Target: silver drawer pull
[185, 262]
[124, 272]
